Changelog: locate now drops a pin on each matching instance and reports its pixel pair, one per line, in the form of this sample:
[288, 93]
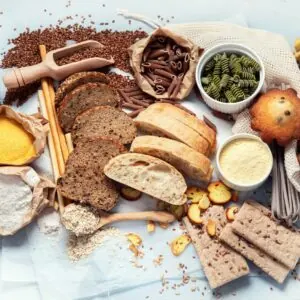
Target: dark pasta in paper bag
[164, 64]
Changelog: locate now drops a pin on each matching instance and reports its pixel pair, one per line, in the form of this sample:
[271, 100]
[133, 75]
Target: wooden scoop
[48, 68]
[158, 216]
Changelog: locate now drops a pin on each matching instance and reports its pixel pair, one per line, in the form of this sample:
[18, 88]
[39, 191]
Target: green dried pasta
[230, 77]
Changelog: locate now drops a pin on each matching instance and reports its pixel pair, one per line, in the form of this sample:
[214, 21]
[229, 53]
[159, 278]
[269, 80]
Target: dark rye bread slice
[105, 121]
[82, 98]
[75, 80]
[84, 180]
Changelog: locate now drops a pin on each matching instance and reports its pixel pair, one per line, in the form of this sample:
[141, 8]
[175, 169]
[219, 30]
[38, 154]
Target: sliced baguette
[164, 126]
[185, 118]
[185, 159]
[149, 175]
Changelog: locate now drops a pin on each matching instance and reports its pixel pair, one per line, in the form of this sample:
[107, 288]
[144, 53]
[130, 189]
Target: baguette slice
[75, 80]
[149, 175]
[164, 126]
[82, 98]
[105, 121]
[185, 159]
[185, 118]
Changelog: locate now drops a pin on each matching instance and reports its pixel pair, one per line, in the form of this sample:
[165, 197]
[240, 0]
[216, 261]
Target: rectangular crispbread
[256, 226]
[267, 263]
[220, 263]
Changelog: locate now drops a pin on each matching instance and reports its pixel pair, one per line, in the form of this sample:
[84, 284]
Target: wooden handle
[22, 76]
[158, 216]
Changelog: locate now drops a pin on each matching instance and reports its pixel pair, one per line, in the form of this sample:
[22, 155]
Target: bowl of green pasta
[229, 77]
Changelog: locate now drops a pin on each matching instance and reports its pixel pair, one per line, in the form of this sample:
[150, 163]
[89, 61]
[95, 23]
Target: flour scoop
[49, 68]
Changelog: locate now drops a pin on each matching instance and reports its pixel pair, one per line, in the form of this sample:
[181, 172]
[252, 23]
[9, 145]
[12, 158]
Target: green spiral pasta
[217, 69]
[224, 64]
[224, 80]
[230, 77]
[210, 65]
[229, 96]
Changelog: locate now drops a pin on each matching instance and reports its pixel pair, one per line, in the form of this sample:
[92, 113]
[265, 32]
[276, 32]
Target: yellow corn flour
[16, 144]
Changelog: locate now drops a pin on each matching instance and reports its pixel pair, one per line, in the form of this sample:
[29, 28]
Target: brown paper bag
[34, 124]
[22, 181]
[136, 55]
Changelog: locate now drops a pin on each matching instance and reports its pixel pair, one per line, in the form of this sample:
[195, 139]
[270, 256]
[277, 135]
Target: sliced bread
[199, 126]
[84, 180]
[149, 175]
[75, 80]
[82, 98]
[105, 121]
[161, 124]
[185, 159]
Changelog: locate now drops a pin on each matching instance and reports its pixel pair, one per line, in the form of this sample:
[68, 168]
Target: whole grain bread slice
[106, 121]
[75, 80]
[221, 264]
[82, 98]
[185, 159]
[267, 263]
[149, 175]
[84, 180]
[254, 225]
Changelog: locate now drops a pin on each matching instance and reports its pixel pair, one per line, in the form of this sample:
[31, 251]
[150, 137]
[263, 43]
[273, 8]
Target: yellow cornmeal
[245, 161]
[16, 144]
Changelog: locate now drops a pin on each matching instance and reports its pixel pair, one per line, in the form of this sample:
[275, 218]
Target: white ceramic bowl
[234, 185]
[228, 108]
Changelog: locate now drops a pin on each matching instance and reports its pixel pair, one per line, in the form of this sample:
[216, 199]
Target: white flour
[49, 222]
[15, 202]
[82, 246]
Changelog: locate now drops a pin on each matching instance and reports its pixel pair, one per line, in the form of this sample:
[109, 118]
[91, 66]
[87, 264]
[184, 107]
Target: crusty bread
[82, 98]
[185, 159]
[105, 121]
[84, 180]
[149, 175]
[162, 121]
[195, 124]
[75, 80]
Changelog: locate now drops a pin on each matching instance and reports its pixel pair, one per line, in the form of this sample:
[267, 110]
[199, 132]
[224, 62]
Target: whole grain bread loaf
[149, 175]
[185, 159]
[82, 98]
[105, 121]
[84, 180]
[75, 80]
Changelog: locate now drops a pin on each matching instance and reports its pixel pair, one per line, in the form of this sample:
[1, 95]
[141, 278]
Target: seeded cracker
[220, 263]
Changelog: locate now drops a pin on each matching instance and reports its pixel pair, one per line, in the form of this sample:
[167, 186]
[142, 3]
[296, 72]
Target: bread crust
[75, 80]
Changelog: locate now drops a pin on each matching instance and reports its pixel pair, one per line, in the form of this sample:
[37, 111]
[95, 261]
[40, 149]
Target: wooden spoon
[158, 216]
[48, 67]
